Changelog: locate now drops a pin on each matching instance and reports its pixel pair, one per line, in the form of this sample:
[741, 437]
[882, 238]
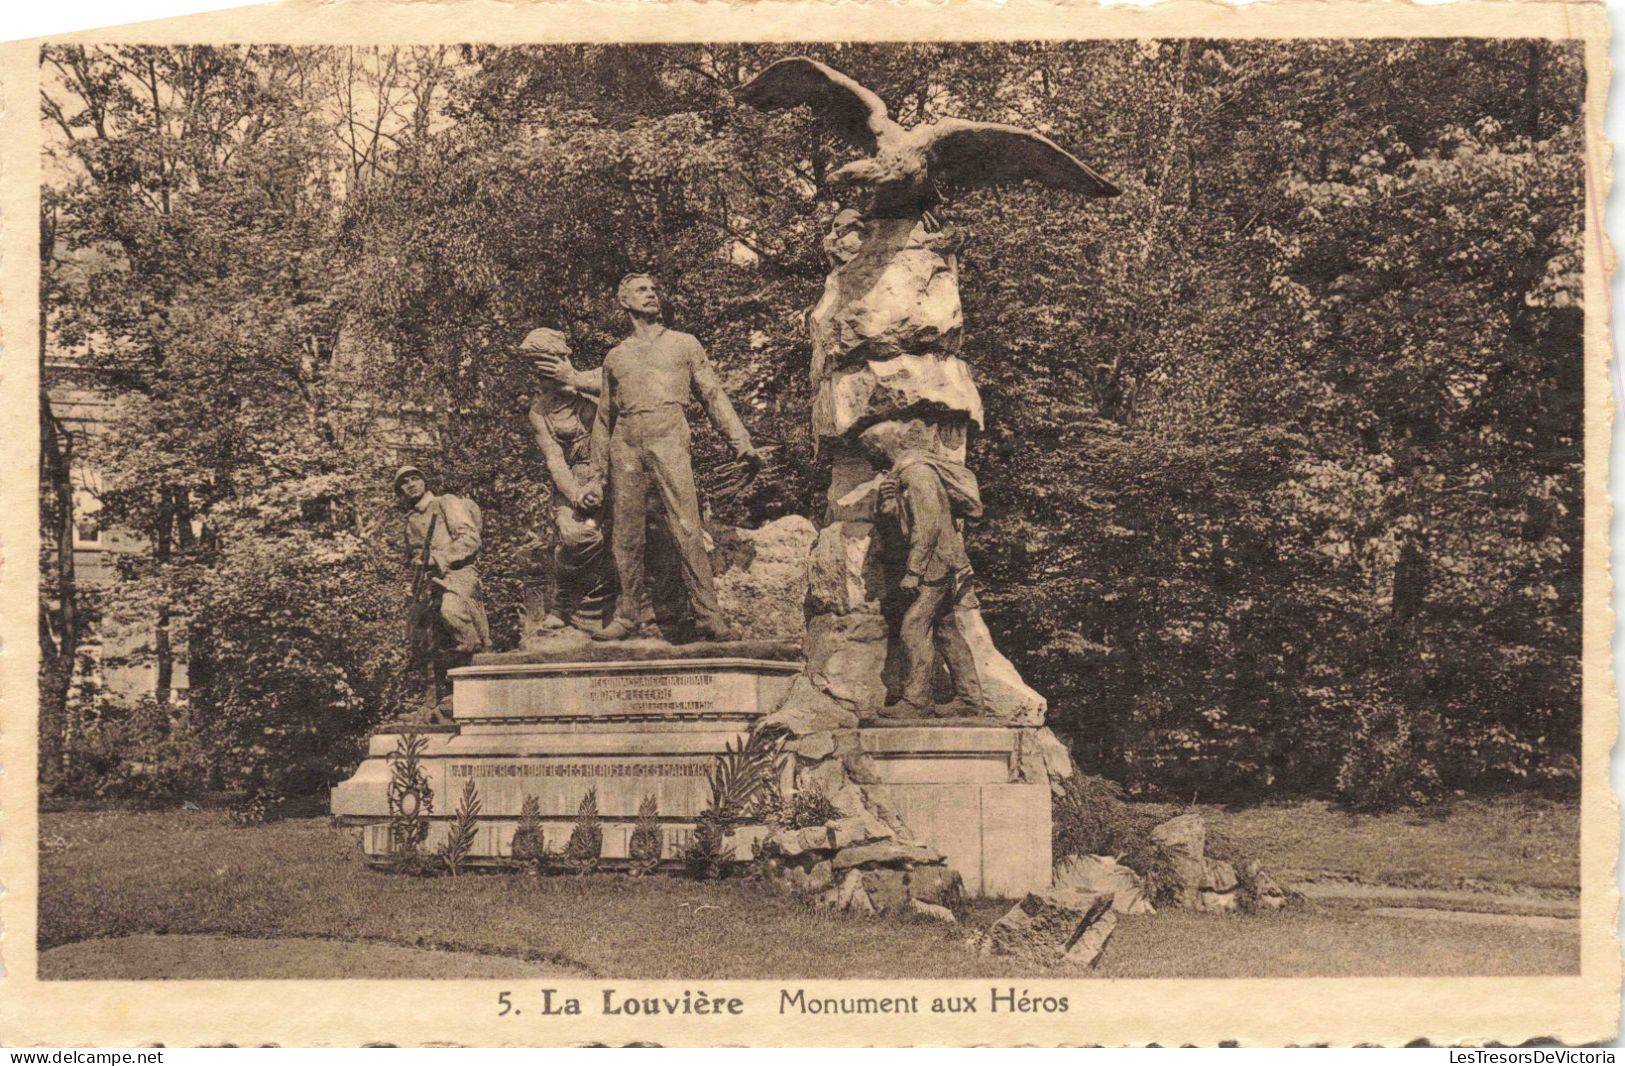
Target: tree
[195, 204]
[1282, 456]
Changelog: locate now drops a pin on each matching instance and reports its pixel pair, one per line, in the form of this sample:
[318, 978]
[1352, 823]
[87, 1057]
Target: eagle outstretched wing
[854, 112]
[964, 153]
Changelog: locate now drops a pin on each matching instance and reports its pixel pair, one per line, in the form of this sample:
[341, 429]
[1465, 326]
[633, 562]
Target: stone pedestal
[959, 788]
[640, 721]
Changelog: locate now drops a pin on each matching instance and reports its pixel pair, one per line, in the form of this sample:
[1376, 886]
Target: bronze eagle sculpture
[907, 169]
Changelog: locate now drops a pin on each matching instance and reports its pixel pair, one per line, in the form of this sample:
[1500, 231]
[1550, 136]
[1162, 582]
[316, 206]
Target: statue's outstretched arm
[599, 451]
[717, 404]
[587, 382]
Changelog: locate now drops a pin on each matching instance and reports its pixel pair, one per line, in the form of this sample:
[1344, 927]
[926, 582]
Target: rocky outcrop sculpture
[886, 339]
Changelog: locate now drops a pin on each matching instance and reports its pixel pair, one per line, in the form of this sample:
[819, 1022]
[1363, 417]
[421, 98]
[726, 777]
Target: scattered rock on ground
[852, 896]
[934, 911]
[1087, 949]
[1102, 873]
[888, 889]
[1183, 840]
[1218, 876]
[885, 853]
[939, 885]
[1218, 886]
[1266, 891]
[1210, 884]
[1047, 927]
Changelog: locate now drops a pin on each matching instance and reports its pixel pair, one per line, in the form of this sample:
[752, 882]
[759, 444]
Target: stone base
[643, 650]
[631, 728]
[996, 836]
[956, 788]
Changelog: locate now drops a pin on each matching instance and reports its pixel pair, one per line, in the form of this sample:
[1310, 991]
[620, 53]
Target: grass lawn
[1527, 844]
[117, 874]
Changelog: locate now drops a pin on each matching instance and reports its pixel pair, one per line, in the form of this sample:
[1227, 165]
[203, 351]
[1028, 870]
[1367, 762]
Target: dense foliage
[1282, 458]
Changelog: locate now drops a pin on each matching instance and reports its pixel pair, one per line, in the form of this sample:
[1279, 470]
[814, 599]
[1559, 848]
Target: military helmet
[406, 471]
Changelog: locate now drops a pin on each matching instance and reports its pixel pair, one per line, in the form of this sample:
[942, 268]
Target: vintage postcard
[809, 524]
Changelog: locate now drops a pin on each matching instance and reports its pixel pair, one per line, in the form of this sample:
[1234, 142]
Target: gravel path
[1334, 892]
[203, 957]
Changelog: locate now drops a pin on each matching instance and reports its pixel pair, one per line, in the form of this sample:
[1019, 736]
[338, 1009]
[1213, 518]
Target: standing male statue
[442, 542]
[562, 416]
[926, 496]
[641, 442]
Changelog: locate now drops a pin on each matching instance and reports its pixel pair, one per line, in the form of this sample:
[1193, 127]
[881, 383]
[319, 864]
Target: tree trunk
[166, 659]
[1531, 91]
[59, 635]
[174, 529]
[1410, 593]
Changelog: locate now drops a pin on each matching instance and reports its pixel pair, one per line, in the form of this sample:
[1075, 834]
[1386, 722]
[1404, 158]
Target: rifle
[419, 624]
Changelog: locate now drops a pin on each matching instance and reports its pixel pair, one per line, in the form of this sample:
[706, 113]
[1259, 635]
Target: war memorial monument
[628, 530]
[893, 702]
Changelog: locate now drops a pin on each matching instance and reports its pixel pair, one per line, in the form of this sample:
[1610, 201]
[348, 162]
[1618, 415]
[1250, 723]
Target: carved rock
[808, 709]
[854, 488]
[827, 777]
[860, 768]
[1042, 757]
[1008, 698]
[844, 573]
[845, 656]
[894, 289]
[901, 387]
[813, 746]
[761, 576]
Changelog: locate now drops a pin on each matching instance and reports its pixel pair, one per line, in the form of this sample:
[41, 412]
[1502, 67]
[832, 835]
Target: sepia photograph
[1008, 517]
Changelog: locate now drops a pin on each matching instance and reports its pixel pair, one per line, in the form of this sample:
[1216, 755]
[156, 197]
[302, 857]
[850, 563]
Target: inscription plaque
[579, 769]
[678, 782]
[669, 689]
[652, 693]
